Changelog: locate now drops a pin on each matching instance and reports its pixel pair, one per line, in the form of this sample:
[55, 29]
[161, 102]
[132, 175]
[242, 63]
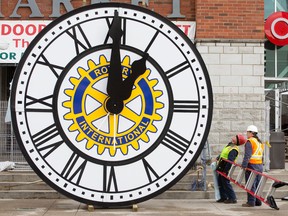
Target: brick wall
[239, 19]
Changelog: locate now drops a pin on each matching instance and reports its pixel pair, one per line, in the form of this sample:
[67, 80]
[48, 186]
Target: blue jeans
[226, 189]
[251, 200]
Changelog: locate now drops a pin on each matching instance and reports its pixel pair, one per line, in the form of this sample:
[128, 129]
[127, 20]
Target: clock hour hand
[115, 104]
[138, 68]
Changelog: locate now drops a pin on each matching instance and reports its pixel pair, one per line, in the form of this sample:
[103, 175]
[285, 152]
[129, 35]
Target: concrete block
[219, 70]
[211, 58]
[249, 114]
[252, 81]
[242, 70]
[231, 105]
[215, 49]
[246, 50]
[230, 81]
[202, 49]
[218, 105]
[258, 90]
[247, 90]
[259, 50]
[233, 90]
[246, 105]
[222, 97]
[258, 70]
[223, 44]
[231, 50]
[220, 126]
[230, 114]
[215, 80]
[238, 44]
[252, 59]
[217, 89]
[230, 59]
[238, 97]
[253, 44]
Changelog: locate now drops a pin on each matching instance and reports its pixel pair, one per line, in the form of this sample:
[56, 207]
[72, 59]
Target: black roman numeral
[42, 138]
[149, 171]
[124, 31]
[44, 61]
[151, 42]
[175, 142]
[77, 168]
[177, 69]
[40, 101]
[79, 41]
[109, 179]
[187, 106]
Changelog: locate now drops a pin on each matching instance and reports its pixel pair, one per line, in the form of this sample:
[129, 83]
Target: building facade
[241, 63]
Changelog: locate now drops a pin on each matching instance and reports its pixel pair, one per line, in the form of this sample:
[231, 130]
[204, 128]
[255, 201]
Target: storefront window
[282, 62]
[269, 8]
[276, 66]
[276, 58]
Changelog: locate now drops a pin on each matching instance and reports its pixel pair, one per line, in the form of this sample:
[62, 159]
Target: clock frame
[59, 106]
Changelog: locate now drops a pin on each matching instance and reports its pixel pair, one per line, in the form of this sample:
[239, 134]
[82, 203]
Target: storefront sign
[276, 28]
[15, 36]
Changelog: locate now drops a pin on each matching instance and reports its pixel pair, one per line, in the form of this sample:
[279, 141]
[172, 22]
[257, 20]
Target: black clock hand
[138, 68]
[115, 104]
[115, 73]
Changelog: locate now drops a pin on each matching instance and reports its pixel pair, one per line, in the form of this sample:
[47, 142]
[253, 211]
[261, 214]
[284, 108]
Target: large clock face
[111, 104]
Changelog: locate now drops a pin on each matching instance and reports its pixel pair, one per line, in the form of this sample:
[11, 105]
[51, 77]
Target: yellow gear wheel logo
[88, 119]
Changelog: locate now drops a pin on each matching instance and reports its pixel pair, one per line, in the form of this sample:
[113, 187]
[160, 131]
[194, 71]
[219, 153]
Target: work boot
[247, 205]
[230, 201]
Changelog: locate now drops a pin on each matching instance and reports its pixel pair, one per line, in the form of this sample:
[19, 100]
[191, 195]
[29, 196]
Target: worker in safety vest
[229, 152]
[253, 155]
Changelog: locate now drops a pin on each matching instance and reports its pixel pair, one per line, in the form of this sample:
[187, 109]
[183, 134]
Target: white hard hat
[252, 128]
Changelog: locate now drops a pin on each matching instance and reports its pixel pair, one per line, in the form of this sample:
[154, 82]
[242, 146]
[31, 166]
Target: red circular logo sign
[276, 28]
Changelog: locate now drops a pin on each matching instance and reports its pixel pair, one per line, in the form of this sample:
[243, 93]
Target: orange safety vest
[257, 151]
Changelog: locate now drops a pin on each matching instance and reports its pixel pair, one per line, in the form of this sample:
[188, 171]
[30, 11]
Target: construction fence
[9, 149]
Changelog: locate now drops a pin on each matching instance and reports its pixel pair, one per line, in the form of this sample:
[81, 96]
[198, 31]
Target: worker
[253, 159]
[229, 152]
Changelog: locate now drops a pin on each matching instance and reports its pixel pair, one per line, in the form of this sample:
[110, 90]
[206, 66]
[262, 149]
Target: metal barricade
[9, 149]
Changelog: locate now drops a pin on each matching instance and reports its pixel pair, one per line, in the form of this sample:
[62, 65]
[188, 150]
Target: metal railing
[9, 149]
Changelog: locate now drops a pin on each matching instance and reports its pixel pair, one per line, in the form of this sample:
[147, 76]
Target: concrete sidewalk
[163, 207]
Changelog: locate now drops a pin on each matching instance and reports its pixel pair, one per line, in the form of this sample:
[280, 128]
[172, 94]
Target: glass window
[269, 59]
[281, 5]
[282, 61]
[269, 8]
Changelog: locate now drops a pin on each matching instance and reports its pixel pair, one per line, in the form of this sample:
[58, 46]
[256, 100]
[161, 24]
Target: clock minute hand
[114, 73]
[114, 104]
[138, 68]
